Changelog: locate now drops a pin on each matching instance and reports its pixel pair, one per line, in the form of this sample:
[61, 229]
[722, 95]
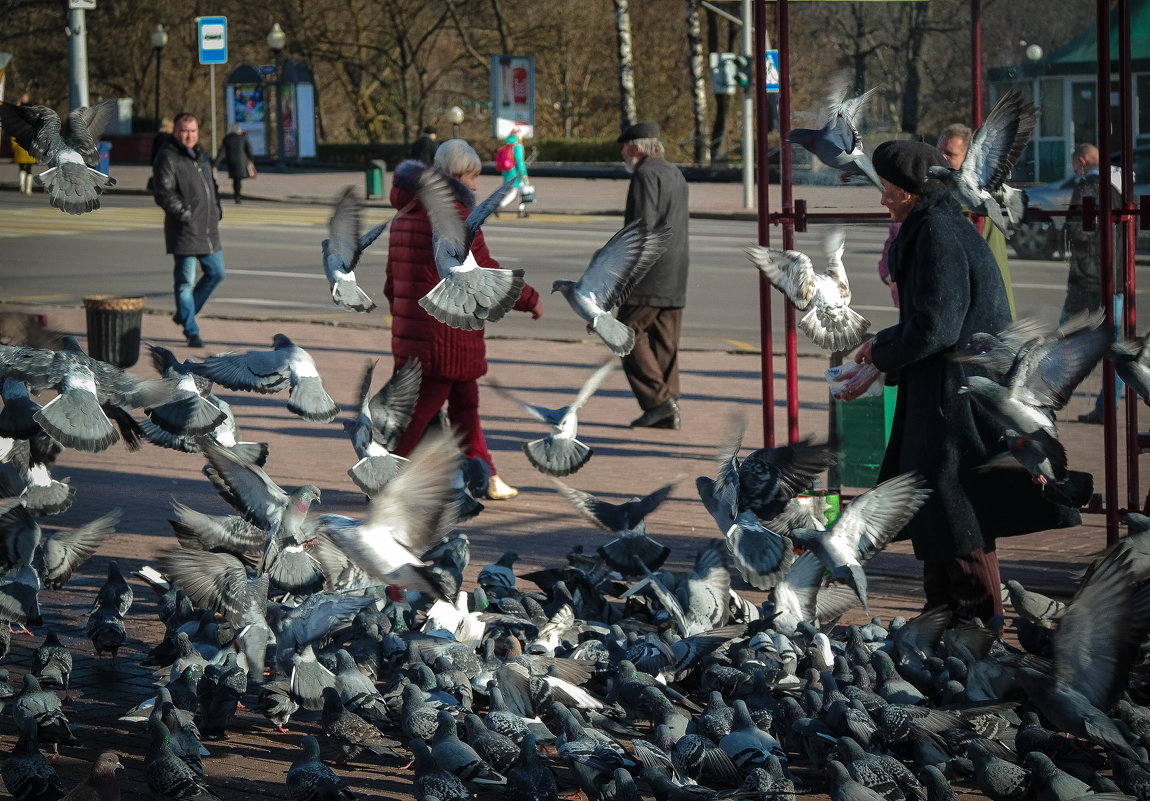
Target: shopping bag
[527, 192]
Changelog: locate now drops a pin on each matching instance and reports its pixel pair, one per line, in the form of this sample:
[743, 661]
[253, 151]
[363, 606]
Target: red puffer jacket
[443, 351]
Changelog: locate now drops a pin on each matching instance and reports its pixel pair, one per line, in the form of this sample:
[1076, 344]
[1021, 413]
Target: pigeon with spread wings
[609, 278]
[560, 453]
[829, 321]
[342, 250]
[67, 148]
[837, 143]
[467, 295]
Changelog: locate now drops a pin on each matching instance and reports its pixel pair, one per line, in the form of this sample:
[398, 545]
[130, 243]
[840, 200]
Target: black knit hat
[646, 129]
[904, 164]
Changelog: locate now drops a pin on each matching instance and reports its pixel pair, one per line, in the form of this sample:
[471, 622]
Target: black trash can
[114, 328]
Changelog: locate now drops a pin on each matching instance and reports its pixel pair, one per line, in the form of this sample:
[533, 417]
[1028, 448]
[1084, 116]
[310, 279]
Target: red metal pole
[975, 63]
[789, 329]
[762, 125]
[1129, 316]
[1106, 253]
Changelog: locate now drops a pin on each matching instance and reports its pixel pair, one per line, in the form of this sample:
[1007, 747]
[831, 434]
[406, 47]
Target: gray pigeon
[467, 295]
[994, 149]
[761, 555]
[351, 733]
[267, 372]
[609, 278]
[432, 781]
[27, 773]
[1044, 457]
[863, 529]
[530, 779]
[308, 779]
[560, 453]
[460, 759]
[190, 412]
[33, 459]
[342, 250]
[747, 745]
[67, 148]
[105, 628]
[632, 552]
[35, 707]
[1131, 359]
[166, 774]
[829, 321]
[837, 142]
[374, 438]
[52, 664]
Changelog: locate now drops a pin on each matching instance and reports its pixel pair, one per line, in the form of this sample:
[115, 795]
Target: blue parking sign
[772, 71]
[212, 33]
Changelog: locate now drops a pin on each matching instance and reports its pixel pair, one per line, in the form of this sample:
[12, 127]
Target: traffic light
[744, 71]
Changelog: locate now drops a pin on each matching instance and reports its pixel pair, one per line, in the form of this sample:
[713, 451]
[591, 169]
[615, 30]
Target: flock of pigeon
[607, 675]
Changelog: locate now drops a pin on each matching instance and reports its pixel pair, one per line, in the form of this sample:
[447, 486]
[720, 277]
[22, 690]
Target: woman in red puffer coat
[452, 359]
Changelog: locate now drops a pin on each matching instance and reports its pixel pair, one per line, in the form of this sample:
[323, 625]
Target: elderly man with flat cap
[949, 288]
[654, 309]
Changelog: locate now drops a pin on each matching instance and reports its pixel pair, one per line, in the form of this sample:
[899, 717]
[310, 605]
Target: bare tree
[696, 61]
[627, 113]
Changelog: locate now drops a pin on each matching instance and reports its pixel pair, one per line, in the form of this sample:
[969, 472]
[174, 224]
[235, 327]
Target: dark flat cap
[646, 129]
[429, 130]
[904, 164]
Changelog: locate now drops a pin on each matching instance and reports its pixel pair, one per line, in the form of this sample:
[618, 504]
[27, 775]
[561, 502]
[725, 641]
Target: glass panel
[1083, 112]
[1050, 100]
[1142, 105]
[1052, 160]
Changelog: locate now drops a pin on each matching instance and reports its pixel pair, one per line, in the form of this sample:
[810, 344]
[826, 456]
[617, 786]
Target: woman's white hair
[456, 158]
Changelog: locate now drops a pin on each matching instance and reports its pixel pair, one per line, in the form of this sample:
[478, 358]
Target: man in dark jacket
[425, 146]
[949, 287]
[654, 309]
[185, 188]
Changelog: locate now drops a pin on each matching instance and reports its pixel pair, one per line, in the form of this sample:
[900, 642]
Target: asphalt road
[272, 252]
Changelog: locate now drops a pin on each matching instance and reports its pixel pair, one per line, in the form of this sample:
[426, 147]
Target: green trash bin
[114, 328]
[863, 429]
[373, 180]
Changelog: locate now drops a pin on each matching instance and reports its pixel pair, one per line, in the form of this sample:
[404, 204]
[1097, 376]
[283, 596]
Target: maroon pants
[969, 585]
[652, 367]
[462, 399]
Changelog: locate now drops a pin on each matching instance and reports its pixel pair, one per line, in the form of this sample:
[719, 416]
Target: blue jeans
[190, 299]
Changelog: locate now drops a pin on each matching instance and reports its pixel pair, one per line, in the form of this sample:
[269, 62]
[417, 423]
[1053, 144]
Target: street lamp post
[276, 41]
[455, 117]
[159, 42]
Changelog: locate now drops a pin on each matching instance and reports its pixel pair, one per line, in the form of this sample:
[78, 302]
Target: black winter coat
[236, 153]
[658, 194]
[949, 288]
[185, 188]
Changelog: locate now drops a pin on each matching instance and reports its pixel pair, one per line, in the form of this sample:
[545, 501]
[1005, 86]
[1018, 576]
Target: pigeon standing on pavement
[101, 784]
[308, 779]
[342, 250]
[467, 296]
[993, 151]
[52, 665]
[829, 321]
[560, 453]
[267, 372]
[68, 148]
[609, 278]
[27, 773]
[837, 143]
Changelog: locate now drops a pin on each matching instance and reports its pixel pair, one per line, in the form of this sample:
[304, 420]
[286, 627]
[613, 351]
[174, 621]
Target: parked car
[1044, 239]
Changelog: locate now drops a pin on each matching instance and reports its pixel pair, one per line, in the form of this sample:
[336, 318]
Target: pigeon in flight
[609, 278]
[342, 249]
[560, 453]
[994, 149]
[863, 529]
[829, 321]
[67, 148]
[632, 552]
[837, 143]
[467, 295]
[761, 555]
[1131, 359]
[1042, 378]
[267, 372]
[403, 521]
[382, 420]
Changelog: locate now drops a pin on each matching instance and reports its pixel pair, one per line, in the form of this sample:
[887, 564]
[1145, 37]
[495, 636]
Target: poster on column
[288, 121]
[247, 110]
[512, 96]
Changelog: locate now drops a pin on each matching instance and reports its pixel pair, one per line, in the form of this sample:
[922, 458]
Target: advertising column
[512, 96]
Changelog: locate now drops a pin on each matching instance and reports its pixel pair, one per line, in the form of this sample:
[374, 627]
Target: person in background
[452, 359]
[509, 161]
[1084, 278]
[185, 188]
[949, 289]
[423, 149]
[236, 153]
[658, 195]
[162, 137]
[953, 143]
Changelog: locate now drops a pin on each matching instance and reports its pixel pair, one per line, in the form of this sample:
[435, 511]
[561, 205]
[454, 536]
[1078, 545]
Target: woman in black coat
[949, 288]
[236, 152]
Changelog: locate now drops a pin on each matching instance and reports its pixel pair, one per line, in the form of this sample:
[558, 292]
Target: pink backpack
[505, 158]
